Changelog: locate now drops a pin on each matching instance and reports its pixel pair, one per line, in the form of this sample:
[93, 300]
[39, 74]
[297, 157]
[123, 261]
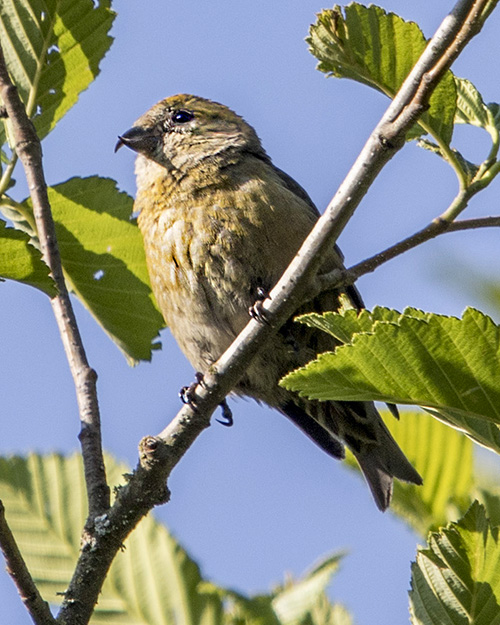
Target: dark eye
[181, 116]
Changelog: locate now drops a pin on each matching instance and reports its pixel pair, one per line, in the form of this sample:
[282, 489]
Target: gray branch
[16, 567]
[339, 277]
[28, 149]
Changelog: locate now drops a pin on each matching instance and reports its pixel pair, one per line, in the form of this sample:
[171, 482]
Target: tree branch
[473, 224]
[29, 152]
[17, 569]
[159, 455]
[343, 277]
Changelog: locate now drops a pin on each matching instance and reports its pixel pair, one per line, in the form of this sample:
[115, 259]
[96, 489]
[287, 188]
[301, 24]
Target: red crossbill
[220, 224]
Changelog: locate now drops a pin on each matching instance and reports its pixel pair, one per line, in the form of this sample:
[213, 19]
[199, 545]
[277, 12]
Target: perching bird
[220, 225]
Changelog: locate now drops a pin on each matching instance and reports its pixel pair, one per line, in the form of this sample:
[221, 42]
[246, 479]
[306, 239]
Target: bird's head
[182, 131]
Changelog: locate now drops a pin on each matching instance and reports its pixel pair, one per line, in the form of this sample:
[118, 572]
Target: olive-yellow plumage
[220, 224]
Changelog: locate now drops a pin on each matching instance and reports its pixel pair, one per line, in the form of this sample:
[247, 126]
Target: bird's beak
[139, 139]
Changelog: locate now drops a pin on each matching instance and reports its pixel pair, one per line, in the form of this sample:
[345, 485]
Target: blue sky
[258, 499]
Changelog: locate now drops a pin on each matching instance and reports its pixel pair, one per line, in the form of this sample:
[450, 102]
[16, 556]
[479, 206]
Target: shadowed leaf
[103, 258]
[22, 262]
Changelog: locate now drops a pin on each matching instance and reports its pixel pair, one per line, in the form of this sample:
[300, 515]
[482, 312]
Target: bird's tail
[380, 464]
[383, 460]
[361, 428]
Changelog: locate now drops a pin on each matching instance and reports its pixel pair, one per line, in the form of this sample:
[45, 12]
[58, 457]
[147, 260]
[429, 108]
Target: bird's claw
[227, 415]
[257, 310]
[187, 393]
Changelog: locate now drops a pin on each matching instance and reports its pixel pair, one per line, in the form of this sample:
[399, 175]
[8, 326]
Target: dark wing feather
[358, 424]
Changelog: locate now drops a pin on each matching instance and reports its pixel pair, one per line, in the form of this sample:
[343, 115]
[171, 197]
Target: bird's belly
[200, 285]
[202, 327]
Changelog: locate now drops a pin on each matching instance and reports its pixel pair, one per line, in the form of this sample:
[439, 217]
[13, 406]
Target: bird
[220, 224]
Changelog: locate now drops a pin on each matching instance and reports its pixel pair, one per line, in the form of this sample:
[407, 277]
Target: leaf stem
[7, 174]
[449, 155]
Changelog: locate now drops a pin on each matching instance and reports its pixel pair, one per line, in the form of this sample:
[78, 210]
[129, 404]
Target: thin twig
[29, 152]
[343, 277]
[473, 224]
[159, 455]
[17, 569]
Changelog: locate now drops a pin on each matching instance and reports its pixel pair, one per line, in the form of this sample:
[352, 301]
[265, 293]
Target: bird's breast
[200, 276]
[210, 247]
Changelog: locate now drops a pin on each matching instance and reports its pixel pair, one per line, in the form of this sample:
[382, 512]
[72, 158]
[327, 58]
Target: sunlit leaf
[472, 110]
[379, 49]
[295, 602]
[456, 580]
[470, 106]
[449, 366]
[53, 49]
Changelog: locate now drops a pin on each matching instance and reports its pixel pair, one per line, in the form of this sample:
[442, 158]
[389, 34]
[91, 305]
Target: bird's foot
[257, 310]
[227, 415]
[187, 393]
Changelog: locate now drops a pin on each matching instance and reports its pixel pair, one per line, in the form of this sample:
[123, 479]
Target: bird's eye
[182, 116]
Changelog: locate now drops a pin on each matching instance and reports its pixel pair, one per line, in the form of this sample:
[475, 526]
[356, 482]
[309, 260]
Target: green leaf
[53, 49]
[444, 459]
[494, 109]
[301, 602]
[22, 262]
[470, 106]
[295, 602]
[379, 49]
[457, 579]
[15, 214]
[243, 610]
[344, 326]
[103, 258]
[152, 580]
[472, 110]
[448, 366]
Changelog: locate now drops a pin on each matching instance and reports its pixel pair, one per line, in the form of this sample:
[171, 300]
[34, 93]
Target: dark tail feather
[383, 461]
[380, 459]
[392, 459]
[314, 430]
[378, 479]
